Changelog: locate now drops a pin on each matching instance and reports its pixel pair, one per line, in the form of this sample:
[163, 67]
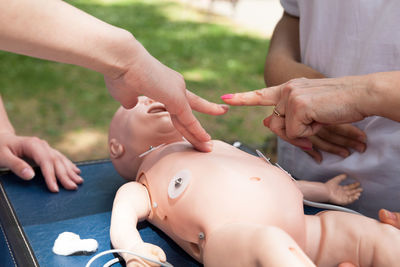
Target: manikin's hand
[337, 139]
[52, 163]
[305, 105]
[388, 217]
[147, 76]
[342, 194]
[148, 250]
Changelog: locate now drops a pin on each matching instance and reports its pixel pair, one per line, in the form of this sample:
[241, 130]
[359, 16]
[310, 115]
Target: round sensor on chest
[179, 183]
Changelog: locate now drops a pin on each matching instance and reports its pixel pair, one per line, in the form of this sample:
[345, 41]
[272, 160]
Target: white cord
[164, 264]
[328, 206]
[111, 262]
[308, 202]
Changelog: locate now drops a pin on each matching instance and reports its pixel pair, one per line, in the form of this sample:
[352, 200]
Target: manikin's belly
[221, 190]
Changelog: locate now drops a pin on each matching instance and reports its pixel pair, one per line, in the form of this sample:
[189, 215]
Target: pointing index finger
[263, 97]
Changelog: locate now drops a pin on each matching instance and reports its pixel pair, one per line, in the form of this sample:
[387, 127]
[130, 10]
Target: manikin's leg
[356, 239]
[252, 245]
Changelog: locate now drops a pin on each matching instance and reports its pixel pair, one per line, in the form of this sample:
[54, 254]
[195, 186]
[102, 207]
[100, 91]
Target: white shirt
[352, 37]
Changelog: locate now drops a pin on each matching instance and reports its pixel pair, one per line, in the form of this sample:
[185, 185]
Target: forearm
[382, 95]
[55, 30]
[123, 232]
[313, 191]
[5, 124]
[283, 60]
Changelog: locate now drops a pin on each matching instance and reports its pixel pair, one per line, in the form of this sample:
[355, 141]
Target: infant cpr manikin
[226, 207]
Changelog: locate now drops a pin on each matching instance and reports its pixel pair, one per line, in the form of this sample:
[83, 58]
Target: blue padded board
[43, 215]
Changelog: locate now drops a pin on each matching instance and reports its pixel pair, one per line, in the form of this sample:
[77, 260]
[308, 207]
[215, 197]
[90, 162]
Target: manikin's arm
[330, 191]
[53, 164]
[132, 204]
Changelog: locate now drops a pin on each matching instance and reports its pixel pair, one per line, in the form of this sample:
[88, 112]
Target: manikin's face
[147, 124]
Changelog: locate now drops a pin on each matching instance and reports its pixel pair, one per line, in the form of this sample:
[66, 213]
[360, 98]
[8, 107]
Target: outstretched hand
[303, 106]
[342, 194]
[147, 76]
[53, 164]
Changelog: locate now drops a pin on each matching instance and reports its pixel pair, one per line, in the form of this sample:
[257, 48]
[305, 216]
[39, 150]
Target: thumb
[159, 253]
[127, 98]
[128, 101]
[17, 165]
[263, 97]
[338, 179]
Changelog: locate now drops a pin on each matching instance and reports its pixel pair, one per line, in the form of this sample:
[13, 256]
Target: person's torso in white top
[341, 38]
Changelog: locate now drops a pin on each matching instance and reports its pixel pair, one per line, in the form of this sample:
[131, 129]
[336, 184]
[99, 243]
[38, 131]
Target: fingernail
[209, 145]
[54, 189]
[227, 96]
[389, 214]
[27, 173]
[225, 107]
[360, 149]
[362, 138]
[344, 154]
[306, 148]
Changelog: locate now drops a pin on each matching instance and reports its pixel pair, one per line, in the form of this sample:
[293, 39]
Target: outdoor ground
[70, 107]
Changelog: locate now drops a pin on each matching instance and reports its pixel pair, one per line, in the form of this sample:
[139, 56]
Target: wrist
[383, 94]
[125, 50]
[362, 95]
[372, 94]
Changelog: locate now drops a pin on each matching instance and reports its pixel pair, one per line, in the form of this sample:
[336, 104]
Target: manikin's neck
[152, 156]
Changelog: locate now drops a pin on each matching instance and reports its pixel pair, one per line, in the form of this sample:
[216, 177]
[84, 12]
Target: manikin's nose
[149, 101]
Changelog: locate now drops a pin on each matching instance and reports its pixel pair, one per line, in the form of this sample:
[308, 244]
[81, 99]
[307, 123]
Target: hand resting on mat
[53, 164]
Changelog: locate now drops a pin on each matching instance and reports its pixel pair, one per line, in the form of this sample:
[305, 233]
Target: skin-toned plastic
[234, 209]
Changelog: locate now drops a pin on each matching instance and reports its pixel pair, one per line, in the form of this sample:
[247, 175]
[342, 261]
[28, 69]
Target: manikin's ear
[116, 148]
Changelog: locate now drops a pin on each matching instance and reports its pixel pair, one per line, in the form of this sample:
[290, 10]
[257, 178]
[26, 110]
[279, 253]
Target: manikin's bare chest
[194, 193]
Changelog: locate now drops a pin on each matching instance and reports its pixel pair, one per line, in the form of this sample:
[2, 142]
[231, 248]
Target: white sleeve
[291, 7]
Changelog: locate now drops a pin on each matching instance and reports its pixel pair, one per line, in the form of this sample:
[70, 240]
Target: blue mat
[36, 217]
[31, 218]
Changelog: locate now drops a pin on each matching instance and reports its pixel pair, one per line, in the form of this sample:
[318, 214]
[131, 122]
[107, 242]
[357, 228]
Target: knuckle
[288, 88]
[298, 102]
[35, 139]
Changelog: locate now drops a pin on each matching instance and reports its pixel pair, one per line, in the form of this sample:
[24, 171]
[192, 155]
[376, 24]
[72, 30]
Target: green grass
[52, 100]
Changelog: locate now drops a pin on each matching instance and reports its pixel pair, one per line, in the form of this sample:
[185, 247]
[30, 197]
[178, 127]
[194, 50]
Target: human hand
[303, 106]
[342, 194]
[388, 217]
[147, 250]
[52, 163]
[147, 76]
[337, 139]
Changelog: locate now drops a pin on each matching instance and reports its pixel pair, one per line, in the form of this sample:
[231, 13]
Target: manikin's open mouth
[157, 109]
